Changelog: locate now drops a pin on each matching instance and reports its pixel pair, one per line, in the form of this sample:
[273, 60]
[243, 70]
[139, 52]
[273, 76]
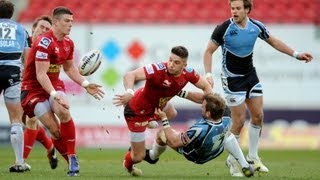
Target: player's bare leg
[255, 106]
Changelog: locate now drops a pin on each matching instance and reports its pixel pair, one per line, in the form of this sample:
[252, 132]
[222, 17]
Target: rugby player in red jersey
[42, 91]
[164, 80]
[34, 131]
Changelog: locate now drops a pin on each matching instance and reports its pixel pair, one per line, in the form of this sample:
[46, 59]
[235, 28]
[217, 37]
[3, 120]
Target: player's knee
[257, 119]
[64, 116]
[31, 123]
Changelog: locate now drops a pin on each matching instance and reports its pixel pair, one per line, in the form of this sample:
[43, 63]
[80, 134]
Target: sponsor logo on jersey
[45, 42]
[160, 66]
[54, 68]
[139, 124]
[149, 69]
[41, 55]
[233, 32]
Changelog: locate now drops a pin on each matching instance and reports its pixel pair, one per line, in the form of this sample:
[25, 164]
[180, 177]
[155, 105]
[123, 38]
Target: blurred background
[131, 34]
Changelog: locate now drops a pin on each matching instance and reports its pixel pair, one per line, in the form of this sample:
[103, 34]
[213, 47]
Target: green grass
[107, 164]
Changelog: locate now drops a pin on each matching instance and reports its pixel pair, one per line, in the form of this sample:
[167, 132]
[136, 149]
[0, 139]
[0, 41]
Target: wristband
[165, 123]
[53, 93]
[130, 91]
[208, 74]
[296, 54]
[183, 94]
[85, 83]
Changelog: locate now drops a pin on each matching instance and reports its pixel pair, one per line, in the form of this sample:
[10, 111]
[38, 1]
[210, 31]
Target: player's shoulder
[68, 39]
[190, 72]
[256, 22]
[155, 67]
[44, 41]
[188, 69]
[225, 24]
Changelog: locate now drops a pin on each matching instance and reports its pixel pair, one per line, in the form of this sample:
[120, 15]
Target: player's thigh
[59, 110]
[170, 111]
[238, 116]
[15, 111]
[46, 116]
[12, 101]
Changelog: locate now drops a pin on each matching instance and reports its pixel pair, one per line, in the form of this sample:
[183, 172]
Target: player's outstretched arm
[284, 48]
[73, 72]
[172, 136]
[196, 97]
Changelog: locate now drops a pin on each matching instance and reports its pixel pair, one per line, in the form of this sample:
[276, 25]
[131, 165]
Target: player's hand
[123, 99]
[95, 91]
[160, 113]
[305, 57]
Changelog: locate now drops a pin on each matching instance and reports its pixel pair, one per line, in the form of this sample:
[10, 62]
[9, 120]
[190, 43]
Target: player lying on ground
[203, 141]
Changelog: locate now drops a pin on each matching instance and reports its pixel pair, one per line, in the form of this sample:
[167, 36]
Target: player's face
[176, 65]
[64, 23]
[41, 28]
[239, 14]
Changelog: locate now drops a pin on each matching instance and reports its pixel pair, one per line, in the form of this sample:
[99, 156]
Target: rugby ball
[90, 62]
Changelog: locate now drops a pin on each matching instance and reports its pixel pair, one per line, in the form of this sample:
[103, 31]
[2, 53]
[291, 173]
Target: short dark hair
[60, 10]
[215, 105]
[246, 3]
[6, 9]
[44, 18]
[180, 51]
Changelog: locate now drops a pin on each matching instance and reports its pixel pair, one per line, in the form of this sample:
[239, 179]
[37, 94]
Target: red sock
[68, 135]
[128, 163]
[44, 139]
[29, 139]
[60, 146]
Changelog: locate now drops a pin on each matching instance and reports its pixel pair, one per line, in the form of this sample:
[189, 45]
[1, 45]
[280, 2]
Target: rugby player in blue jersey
[203, 141]
[242, 88]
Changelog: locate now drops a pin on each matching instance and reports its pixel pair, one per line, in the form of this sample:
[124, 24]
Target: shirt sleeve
[192, 75]
[42, 47]
[264, 33]
[190, 136]
[216, 36]
[70, 57]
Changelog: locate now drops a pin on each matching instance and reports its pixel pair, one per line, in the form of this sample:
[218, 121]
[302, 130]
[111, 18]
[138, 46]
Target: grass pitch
[107, 164]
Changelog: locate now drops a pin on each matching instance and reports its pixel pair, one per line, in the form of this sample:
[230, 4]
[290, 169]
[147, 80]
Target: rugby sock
[29, 139]
[156, 150]
[16, 138]
[60, 146]
[233, 147]
[254, 135]
[44, 139]
[128, 162]
[238, 140]
[68, 135]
